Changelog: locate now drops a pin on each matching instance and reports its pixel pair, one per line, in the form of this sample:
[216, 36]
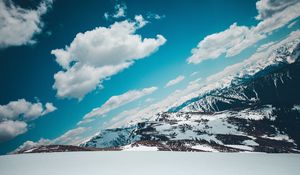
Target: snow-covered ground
[175, 163]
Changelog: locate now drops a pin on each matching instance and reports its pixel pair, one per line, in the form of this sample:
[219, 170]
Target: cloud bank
[175, 81]
[96, 55]
[273, 14]
[116, 102]
[18, 25]
[15, 115]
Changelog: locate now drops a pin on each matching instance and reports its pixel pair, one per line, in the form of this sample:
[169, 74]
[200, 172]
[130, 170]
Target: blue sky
[84, 66]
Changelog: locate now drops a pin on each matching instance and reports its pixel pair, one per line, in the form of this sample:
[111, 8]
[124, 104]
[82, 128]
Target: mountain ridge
[219, 120]
[258, 111]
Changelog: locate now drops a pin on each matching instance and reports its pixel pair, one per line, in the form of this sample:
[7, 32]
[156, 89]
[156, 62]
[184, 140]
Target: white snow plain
[149, 163]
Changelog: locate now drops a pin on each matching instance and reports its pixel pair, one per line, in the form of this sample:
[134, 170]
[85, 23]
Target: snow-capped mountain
[278, 86]
[257, 109]
[247, 87]
[249, 129]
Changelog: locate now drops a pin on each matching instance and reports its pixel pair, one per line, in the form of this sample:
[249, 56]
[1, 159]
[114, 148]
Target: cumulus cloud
[98, 54]
[155, 16]
[116, 102]
[15, 115]
[18, 25]
[236, 38]
[10, 129]
[230, 42]
[140, 21]
[120, 11]
[266, 8]
[49, 107]
[24, 109]
[175, 81]
[263, 57]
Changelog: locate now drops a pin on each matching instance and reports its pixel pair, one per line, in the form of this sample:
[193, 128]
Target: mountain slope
[276, 83]
[258, 111]
[254, 110]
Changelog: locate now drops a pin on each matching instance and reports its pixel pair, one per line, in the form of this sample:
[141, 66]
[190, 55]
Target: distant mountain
[277, 87]
[277, 83]
[250, 129]
[257, 111]
[112, 138]
[60, 148]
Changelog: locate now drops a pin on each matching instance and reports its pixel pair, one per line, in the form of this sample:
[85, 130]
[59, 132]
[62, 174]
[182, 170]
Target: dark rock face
[227, 131]
[60, 148]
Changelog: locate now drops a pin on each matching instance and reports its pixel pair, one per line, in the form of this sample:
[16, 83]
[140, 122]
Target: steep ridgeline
[280, 87]
[258, 113]
[276, 84]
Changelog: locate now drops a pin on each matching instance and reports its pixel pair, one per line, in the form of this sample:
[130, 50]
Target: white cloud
[10, 129]
[266, 8]
[122, 118]
[175, 81]
[116, 102]
[120, 11]
[278, 20]
[81, 79]
[22, 108]
[140, 21]
[263, 57]
[49, 107]
[230, 42]
[96, 55]
[15, 114]
[71, 137]
[234, 40]
[18, 25]
[155, 16]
